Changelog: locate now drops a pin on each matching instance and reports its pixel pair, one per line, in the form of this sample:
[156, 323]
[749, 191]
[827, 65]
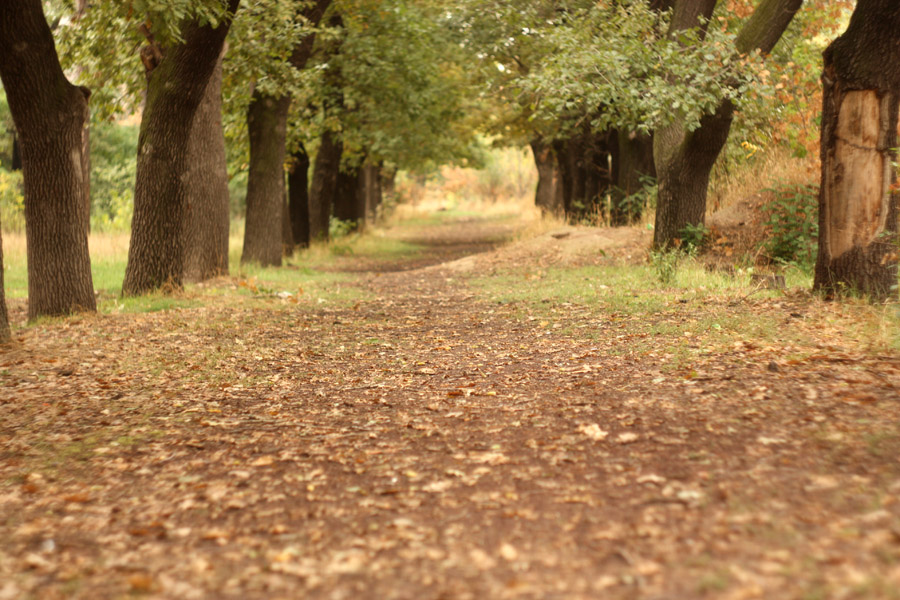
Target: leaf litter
[427, 442]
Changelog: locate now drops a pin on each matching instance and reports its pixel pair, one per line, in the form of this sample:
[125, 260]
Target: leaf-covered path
[429, 441]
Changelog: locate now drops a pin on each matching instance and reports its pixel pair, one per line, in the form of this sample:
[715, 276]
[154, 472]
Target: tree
[4, 315]
[323, 187]
[176, 86]
[267, 119]
[545, 196]
[298, 197]
[683, 157]
[208, 219]
[859, 199]
[49, 115]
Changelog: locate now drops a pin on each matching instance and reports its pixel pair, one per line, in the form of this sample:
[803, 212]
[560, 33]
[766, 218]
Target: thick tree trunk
[175, 90]
[267, 127]
[684, 159]
[324, 185]
[298, 198]
[545, 194]
[49, 115]
[858, 200]
[635, 162]
[16, 153]
[208, 218]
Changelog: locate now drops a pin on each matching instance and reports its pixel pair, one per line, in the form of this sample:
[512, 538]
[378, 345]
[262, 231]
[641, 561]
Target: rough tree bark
[175, 89]
[545, 194]
[207, 220]
[49, 114]
[298, 197]
[685, 159]
[267, 129]
[324, 185]
[858, 198]
[264, 239]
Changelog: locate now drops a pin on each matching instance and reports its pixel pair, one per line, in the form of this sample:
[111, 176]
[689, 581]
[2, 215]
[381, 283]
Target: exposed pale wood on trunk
[857, 175]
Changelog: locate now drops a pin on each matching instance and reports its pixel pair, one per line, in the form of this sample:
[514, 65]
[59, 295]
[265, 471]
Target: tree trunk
[371, 190]
[208, 211]
[287, 231]
[684, 159]
[49, 115]
[267, 127]
[5, 334]
[858, 200]
[298, 197]
[176, 87]
[635, 162]
[267, 235]
[350, 201]
[324, 184]
[81, 7]
[16, 152]
[545, 197]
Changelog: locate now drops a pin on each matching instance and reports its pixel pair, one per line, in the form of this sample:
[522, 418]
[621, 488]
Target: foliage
[793, 222]
[113, 168]
[401, 87]
[6, 128]
[99, 49]
[12, 201]
[667, 262]
[693, 238]
[638, 202]
[338, 228]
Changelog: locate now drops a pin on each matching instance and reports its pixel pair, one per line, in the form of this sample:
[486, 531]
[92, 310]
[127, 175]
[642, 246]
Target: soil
[426, 442]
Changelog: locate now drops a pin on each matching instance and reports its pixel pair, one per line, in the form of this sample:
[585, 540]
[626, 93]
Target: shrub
[792, 220]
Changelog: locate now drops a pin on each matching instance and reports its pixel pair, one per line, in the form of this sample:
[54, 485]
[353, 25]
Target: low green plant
[667, 262]
[693, 237]
[792, 219]
[632, 206]
[338, 228]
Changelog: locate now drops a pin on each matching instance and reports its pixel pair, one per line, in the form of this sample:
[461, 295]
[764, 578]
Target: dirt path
[427, 443]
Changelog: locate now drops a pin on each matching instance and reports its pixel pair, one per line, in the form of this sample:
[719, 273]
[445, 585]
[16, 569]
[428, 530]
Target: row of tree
[605, 93]
[610, 93]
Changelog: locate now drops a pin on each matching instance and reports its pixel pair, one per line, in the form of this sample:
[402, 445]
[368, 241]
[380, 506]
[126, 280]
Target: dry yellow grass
[775, 167]
[102, 246]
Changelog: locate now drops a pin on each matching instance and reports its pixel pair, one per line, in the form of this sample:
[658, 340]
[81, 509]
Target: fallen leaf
[594, 432]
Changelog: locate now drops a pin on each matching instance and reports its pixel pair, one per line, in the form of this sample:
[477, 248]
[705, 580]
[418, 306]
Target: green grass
[713, 307]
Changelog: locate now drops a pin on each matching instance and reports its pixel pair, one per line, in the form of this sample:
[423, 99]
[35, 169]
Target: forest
[464, 299]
